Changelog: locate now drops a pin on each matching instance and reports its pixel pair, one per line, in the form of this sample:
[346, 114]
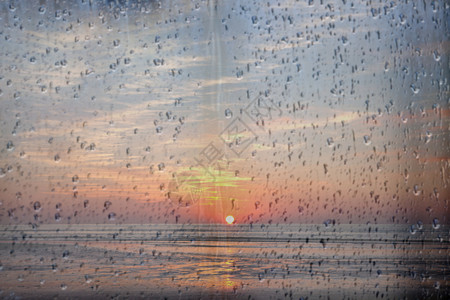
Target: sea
[210, 261]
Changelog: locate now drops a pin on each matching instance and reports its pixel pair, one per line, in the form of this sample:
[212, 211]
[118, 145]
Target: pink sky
[291, 114]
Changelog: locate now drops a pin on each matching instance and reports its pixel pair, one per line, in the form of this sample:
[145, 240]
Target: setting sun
[229, 219]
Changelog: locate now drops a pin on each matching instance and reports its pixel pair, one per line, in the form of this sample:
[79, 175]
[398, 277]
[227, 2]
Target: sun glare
[229, 219]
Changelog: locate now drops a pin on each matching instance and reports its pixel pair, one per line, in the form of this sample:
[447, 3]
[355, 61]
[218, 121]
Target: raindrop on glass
[436, 55]
[107, 204]
[416, 190]
[228, 113]
[10, 146]
[37, 206]
[415, 89]
[436, 224]
[330, 142]
[57, 217]
[419, 225]
[111, 216]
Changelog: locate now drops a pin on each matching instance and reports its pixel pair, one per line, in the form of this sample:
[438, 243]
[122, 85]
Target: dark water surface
[224, 262]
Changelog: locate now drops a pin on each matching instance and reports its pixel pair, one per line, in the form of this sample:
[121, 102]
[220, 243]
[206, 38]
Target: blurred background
[189, 111]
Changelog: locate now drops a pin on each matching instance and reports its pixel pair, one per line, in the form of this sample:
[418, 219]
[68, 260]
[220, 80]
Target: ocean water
[224, 262]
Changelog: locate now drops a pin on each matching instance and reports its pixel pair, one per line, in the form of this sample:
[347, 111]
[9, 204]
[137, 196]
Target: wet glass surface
[224, 149]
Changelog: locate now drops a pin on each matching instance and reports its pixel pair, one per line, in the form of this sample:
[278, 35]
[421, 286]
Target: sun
[229, 219]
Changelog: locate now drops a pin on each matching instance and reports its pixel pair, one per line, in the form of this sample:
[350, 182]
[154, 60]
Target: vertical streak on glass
[216, 76]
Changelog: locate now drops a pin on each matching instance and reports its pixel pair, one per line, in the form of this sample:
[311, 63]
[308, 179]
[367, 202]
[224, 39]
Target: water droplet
[88, 72]
[107, 204]
[57, 217]
[415, 89]
[436, 193]
[87, 278]
[239, 74]
[37, 206]
[330, 142]
[257, 204]
[436, 55]
[419, 225]
[374, 12]
[436, 224]
[10, 146]
[344, 40]
[416, 190]
[158, 62]
[228, 113]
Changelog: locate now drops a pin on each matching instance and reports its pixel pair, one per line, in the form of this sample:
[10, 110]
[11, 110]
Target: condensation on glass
[224, 149]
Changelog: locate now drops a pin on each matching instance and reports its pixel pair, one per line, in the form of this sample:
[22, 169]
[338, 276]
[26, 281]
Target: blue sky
[315, 112]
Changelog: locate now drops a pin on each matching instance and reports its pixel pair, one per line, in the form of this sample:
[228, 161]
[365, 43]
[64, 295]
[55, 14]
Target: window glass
[239, 149]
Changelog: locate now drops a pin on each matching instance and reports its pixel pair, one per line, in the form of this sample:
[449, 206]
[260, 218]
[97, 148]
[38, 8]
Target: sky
[186, 112]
